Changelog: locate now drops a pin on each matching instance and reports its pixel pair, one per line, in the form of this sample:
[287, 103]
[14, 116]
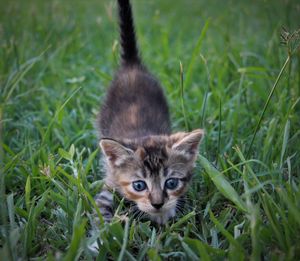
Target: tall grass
[236, 80]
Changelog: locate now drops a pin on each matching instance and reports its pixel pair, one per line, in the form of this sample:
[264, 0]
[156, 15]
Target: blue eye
[171, 183]
[139, 185]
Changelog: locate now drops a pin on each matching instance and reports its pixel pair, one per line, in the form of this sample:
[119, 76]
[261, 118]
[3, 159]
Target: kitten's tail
[130, 54]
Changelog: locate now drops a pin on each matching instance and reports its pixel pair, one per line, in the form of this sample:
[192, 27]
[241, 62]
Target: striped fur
[136, 138]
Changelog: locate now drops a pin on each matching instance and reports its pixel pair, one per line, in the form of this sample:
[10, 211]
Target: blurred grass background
[57, 59]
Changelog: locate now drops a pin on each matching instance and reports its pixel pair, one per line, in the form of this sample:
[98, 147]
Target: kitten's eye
[171, 183]
[139, 185]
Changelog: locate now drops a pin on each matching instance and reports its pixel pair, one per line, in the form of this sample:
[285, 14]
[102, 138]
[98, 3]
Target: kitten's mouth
[157, 212]
[161, 216]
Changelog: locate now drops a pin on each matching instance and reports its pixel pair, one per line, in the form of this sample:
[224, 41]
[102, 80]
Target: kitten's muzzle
[157, 206]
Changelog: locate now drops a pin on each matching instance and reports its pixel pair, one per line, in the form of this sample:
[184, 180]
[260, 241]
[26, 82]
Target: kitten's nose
[157, 206]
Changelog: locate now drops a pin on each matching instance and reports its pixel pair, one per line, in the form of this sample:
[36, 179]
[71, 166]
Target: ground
[219, 62]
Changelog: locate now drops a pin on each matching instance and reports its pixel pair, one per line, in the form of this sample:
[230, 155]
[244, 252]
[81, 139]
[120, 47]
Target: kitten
[144, 162]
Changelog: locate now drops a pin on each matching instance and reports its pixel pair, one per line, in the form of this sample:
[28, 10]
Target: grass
[218, 64]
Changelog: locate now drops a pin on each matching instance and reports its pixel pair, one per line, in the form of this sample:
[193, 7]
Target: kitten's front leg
[104, 201]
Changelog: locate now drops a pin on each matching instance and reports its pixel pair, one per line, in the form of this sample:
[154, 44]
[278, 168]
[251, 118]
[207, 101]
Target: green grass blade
[239, 251]
[182, 220]
[267, 103]
[153, 255]
[198, 247]
[222, 184]
[78, 235]
[285, 141]
[11, 210]
[292, 208]
[182, 98]
[125, 239]
[195, 53]
[27, 193]
[47, 132]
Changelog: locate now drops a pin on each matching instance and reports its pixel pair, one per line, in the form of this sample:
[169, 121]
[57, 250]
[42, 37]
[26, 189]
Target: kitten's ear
[187, 143]
[115, 153]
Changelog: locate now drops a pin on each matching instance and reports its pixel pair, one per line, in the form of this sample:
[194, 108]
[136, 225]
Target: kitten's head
[154, 171]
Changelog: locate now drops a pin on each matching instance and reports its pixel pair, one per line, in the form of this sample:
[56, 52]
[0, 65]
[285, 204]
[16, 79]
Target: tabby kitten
[144, 162]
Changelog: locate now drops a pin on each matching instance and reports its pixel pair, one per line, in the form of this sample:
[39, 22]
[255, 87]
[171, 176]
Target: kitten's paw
[104, 201]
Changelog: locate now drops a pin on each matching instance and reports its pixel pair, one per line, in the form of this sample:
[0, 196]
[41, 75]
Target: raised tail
[129, 54]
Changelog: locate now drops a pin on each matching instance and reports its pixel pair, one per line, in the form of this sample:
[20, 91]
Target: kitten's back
[135, 105]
